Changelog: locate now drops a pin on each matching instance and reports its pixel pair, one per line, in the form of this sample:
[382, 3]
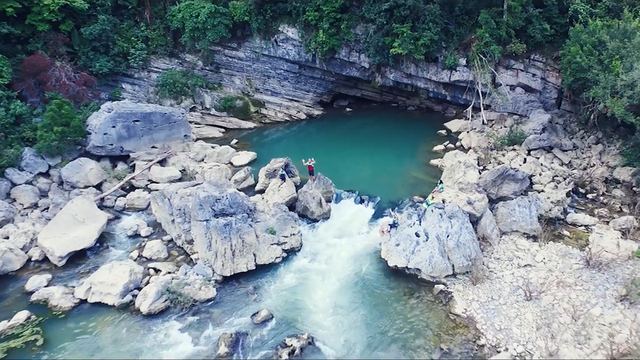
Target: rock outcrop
[111, 284]
[229, 231]
[432, 243]
[123, 127]
[76, 227]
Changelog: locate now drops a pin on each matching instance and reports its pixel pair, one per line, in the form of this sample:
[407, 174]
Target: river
[337, 287]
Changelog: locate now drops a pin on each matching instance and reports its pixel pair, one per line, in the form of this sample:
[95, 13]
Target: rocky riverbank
[53, 209]
[522, 183]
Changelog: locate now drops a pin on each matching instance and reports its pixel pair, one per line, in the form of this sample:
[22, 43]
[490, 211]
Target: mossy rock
[29, 333]
[238, 106]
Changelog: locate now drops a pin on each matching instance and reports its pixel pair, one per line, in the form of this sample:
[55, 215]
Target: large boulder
[137, 200]
[25, 195]
[519, 215]
[242, 158]
[37, 282]
[281, 192]
[471, 201]
[153, 299]
[76, 227]
[432, 243]
[111, 284]
[124, 127]
[82, 173]
[228, 231]
[57, 298]
[270, 172]
[7, 213]
[11, 257]
[243, 179]
[162, 174]
[32, 162]
[504, 182]
[323, 185]
[460, 177]
[312, 205]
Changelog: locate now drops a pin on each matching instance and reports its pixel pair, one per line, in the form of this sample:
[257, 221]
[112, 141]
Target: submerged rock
[57, 298]
[432, 243]
[228, 231]
[112, 283]
[293, 346]
[124, 127]
[76, 227]
[229, 344]
[261, 316]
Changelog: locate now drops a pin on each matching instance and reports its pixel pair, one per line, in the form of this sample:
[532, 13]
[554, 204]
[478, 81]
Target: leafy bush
[61, 128]
[238, 106]
[16, 128]
[450, 62]
[515, 136]
[271, 230]
[180, 84]
[201, 22]
[328, 25]
[516, 48]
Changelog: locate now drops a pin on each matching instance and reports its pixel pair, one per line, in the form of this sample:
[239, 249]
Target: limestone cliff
[292, 83]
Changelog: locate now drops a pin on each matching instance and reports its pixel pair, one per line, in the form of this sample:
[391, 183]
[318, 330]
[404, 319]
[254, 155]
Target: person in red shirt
[310, 166]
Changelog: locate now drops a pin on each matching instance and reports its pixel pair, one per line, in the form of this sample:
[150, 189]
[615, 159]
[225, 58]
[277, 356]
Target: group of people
[310, 163]
[428, 202]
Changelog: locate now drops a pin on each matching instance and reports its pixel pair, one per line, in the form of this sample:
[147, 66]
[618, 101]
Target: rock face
[111, 284]
[11, 258]
[76, 227]
[123, 127]
[504, 182]
[269, 173]
[291, 82]
[82, 173]
[518, 215]
[229, 231]
[446, 244]
[58, 298]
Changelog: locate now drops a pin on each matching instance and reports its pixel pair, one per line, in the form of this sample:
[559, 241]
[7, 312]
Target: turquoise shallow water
[377, 151]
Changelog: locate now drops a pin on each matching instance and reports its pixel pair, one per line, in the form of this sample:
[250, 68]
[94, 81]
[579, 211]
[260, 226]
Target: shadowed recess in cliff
[377, 151]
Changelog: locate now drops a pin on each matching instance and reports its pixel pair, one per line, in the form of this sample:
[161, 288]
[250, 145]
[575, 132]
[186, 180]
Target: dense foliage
[67, 46]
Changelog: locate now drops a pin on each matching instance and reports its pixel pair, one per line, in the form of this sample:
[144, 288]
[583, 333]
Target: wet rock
[442, 132]
[20, 318]
[269, 173]
[111, 284]
[137, 200]
[280, 192]
[243, 179]
[57, 298]
[518, 215]
[32, 162]
[229, 344]
[146, 232]
[5, 187]
[447, 242]
[439, 149]
[124, 127]
[504, 182]
[457, 125]
[83, 173]
[37, 282]
[293, 346]
[487, 228]
[7, 213]
[261, 316]
[311, 205]
[198, 217]
[11, 258]
[165, 174]
[25, 195]
[76, 227]
[242, 158]
[623, 223]
[18, 177]
[155, 250]
[323, 185]
[581, 219]
[153, 299]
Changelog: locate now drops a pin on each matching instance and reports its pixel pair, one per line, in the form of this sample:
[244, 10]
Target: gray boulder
[242, 158]
[18, 177]
[76, 227]
[270, 172]
[57, 298]
[5, 187]
[314, 198]
[432, 243]
[323, 185]
[82, 173]
[25, 195]
[487, 228]
[229, 232]
[7, 213]
[153, 299]
[37, 282]
[504, 182]
[11, 258]
[124, 127]
[519, 215]
[32, 162]
[111, 284]
[627, 222]
[261, 316]
[280, 192]
[243, 179]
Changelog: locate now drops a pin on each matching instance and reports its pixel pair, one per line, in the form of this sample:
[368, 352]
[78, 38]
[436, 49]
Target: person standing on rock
[282, 175]
[310, 166]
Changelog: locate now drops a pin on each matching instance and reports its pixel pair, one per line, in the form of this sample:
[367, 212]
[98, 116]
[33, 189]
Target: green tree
[16, 128]
[201, 22]
[600, 63]
[5, 71]
[61, 128]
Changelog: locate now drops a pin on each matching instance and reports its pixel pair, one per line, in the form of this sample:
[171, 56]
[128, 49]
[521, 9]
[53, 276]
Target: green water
[376, 151]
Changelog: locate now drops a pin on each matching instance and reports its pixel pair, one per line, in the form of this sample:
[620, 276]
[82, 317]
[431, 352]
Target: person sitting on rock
[394, 223]
[439, 187]
[283, 175]
[310, 166]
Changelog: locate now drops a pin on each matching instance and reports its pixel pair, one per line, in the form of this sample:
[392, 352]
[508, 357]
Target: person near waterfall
[392, 225]
[310, 163]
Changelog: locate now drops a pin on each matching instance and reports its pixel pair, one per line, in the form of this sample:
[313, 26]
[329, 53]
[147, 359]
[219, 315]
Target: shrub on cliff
[16, 128]
[181, 84]
[238, 106]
